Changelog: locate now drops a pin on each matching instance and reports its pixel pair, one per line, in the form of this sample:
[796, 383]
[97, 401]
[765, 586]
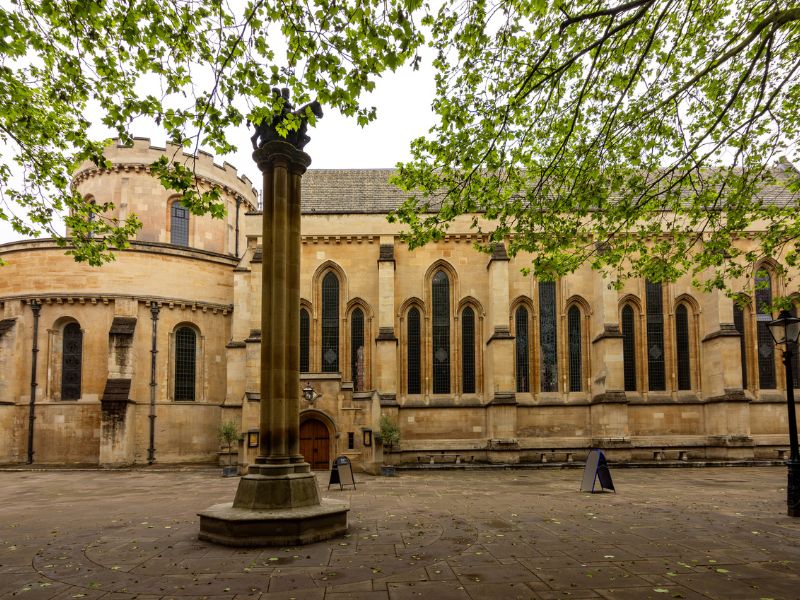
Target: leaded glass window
[574, 333]
[522, 349]
[547, 336]
[738, 322]
[441, 333]
[71, 362]
[357, 349]
[629, 348]
[305, 334]
[468, 350]
[413, 348]
[330, 324]
[682, 347]
[766, 348]
[655, 337]
[185, 363]
[179, 225]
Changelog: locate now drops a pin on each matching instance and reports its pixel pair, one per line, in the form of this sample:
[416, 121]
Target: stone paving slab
[466, 535]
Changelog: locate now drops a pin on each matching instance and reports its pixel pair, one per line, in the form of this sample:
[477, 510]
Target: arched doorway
[315, 443]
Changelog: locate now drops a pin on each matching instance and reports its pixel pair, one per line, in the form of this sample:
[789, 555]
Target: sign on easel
[342, 473]
[596, 468]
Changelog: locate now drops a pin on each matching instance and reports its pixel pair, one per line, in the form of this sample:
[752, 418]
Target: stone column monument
[278, 502]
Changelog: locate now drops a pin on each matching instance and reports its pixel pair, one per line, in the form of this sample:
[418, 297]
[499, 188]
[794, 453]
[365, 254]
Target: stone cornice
[339, 239]
[101, 298]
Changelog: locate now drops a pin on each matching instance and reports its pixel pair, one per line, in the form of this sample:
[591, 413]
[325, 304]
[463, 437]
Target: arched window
[655, 337]
[682, 347]
[548, 339]
[766, 349]
[575, 354]
[330, 323]
[179, 225]
[305, 332]
[185, 363]
[440, 299]
[71, 362]
[738, 322]
[413, 348]
[357, 359]
[629, 348]
[522, 353]
[468, 350]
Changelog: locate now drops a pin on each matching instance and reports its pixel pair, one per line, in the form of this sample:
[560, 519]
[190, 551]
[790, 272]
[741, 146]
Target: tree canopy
[635, 135]
[195, 67]
[640, 135]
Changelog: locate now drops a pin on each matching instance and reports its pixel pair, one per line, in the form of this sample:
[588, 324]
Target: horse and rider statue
[266, 131]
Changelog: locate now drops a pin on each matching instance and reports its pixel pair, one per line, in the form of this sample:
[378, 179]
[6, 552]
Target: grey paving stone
[713, 533]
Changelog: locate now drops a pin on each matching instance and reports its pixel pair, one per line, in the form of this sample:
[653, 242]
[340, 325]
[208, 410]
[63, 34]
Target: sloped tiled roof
[350, 191]
[368, 191]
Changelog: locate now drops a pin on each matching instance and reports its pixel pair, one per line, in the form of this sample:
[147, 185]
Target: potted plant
[390, 437]
[228, 433]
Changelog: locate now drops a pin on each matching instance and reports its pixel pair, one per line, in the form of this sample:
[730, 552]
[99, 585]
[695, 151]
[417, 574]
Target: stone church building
[141, 360]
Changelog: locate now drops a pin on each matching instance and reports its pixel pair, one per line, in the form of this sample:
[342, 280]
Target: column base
[242, 527]
[275, 487]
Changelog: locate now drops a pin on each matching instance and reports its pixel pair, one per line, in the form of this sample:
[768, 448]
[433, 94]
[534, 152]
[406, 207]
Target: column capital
[281, 151]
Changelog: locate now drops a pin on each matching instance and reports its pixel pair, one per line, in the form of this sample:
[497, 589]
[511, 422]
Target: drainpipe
[239, 201]
[151, 451]
[35, 307]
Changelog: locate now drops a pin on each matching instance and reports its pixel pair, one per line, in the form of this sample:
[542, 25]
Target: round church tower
[123, 363]
[132, 189]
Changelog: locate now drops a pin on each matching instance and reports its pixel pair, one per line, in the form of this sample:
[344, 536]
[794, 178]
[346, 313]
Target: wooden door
[315, 444]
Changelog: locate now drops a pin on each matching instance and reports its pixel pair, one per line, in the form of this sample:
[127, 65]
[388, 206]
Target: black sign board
[596, 468]
[342, 473]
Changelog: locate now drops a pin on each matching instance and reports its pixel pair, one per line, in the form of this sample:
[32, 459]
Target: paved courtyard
[667, 533]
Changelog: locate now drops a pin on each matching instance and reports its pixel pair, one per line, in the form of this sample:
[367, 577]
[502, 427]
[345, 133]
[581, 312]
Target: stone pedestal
[278, 501]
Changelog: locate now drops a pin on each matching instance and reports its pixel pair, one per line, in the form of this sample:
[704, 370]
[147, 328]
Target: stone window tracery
[413, 349]
[440, 332]
[629, 348]
[575, 342]
[766, 347]
[71, 361]
[330, 323]
[468, 350]
[185, 364]
[682, 349]
[357, 356]
[548, 337]
[179, 224]
[522, 352]
[656, 377]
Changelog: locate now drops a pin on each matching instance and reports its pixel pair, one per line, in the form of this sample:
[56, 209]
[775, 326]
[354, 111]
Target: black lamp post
[786, 330]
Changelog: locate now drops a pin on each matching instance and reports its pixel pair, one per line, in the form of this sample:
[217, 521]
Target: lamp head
[785, 329]
[309, 394]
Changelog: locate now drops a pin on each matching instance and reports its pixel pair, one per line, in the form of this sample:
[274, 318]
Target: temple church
[141, 360]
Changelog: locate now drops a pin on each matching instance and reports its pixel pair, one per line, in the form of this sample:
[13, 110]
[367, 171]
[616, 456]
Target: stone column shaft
[292, 389]
[278, 503]
[267, 228]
